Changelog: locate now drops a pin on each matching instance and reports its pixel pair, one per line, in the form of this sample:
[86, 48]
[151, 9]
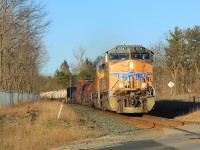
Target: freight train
[123, 82]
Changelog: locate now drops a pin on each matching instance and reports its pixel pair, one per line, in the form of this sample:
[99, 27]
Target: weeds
[35, 126]
[193, 115]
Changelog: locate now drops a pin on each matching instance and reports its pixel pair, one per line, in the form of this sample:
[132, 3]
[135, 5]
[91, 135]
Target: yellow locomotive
[124, 80]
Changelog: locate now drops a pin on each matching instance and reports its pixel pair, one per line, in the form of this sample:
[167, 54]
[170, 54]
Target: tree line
[176, 60]
[66, 76]
[22, 26]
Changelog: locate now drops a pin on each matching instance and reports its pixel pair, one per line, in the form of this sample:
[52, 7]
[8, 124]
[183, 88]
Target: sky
[99, 25]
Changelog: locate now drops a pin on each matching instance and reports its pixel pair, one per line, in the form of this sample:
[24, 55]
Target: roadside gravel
[107, 130]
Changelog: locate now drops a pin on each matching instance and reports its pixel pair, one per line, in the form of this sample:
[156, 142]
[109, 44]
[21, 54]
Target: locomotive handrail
[150, 85]
[113, 85]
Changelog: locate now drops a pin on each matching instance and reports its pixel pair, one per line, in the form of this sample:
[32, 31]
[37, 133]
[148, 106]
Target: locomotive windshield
[142, 56]
[119, 56]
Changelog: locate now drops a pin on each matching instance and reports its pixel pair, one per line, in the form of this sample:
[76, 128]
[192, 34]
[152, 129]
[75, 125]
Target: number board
[139, 48]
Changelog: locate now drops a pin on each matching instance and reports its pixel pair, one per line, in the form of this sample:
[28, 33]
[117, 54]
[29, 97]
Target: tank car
[124, 80]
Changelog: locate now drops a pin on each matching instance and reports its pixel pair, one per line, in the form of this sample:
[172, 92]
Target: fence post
[194, 99]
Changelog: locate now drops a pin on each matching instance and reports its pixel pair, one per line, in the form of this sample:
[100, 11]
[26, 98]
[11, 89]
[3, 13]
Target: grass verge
[192, 116]
[35, 126]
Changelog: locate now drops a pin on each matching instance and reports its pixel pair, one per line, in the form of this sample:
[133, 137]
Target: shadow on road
[173, 108]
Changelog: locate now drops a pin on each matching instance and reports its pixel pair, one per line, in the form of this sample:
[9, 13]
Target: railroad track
[164, 122]
[151, 122]
[147, 121]
[154, 122]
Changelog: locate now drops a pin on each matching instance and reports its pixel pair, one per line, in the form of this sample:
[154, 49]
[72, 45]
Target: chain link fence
[8, 99]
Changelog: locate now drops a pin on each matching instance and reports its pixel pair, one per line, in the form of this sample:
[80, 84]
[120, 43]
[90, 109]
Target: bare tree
[80, 56]
[21, 50]
[179, 61]
[161, 73]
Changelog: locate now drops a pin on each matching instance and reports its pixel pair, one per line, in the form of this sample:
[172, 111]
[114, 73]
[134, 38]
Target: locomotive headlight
[131, 65]
[121, 85]
[143, 85]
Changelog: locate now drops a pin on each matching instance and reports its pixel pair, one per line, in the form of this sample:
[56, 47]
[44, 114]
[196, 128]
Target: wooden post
[194, 99]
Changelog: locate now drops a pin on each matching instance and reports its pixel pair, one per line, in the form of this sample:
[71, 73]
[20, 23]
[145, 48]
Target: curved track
[147, 121]
[163, 121]
[154, 123]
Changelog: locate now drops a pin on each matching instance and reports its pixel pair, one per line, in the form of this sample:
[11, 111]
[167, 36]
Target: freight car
[123, 83]
[84, 92]
[57, 95]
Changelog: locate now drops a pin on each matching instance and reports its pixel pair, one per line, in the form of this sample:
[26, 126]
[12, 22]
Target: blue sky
[99, 25]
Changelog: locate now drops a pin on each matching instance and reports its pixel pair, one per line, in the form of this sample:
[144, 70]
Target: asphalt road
[186, 137]
[139, 145]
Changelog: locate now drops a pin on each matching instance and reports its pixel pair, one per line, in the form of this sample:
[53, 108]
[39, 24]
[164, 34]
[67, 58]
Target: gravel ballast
[107, 130]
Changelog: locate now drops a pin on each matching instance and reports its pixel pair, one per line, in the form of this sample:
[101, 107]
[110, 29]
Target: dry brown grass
[34, 126]
[193, 116]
